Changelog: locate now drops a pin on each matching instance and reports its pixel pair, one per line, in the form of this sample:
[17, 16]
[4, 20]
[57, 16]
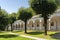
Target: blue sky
[13, 5]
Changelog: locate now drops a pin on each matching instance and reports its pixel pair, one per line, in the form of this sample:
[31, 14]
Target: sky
[13, 5]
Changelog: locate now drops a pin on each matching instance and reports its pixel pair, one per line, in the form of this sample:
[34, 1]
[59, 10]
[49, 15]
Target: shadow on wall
[56, 35]
[7, 36]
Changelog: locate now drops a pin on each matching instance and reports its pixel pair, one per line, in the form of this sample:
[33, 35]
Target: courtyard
[8, 36]
[29, 19]
[31, 35]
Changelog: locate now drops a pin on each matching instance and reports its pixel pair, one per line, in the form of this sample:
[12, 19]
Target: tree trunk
[45, 24]
[25, 27]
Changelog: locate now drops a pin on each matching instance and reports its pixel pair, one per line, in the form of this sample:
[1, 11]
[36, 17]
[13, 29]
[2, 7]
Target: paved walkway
[35, 38]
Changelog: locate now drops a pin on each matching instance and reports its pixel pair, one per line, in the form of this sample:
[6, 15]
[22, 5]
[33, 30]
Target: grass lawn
[7, 36]
[52, 35]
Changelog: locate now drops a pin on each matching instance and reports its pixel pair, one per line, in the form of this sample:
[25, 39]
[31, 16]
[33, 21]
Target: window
[22, 25]
[43, 24]
[37, 25]
[19, 25]
[32, 25]
[52, 24]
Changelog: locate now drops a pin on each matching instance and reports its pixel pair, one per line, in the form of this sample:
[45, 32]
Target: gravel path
[35, 38]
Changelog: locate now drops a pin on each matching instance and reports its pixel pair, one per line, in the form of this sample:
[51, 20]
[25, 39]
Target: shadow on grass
[2, 31]
[17, 31]
[35, 33]
[55, 36]
[7, 36]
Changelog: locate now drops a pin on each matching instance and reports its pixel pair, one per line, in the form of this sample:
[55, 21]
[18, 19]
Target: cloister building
[37, 23]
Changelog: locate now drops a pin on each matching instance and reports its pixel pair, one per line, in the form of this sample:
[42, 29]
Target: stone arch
[19, 26]
[37, 24]
[56, 21]
[37, 21]
[30, 24]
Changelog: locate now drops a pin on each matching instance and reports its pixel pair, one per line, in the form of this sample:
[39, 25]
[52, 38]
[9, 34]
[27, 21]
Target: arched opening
[21, 26]
[18, 26]
[31, 25]
[52, 24]
[37, 24]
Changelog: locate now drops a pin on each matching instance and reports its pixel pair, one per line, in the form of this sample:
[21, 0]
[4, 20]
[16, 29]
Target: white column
[20, 25]
[40, 24]
[49, 24]
[28, 28]
[54, 25]
[23, 26]
[33, 24]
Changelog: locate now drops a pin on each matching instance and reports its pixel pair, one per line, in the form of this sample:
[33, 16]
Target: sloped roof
[36, 16]
[57, 13]
[18, 21]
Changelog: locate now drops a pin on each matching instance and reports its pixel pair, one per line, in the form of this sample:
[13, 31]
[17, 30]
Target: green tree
[57, 2]
[3, 19]
[12, 18]
[43, 7]
[24, 15]
[32, 11]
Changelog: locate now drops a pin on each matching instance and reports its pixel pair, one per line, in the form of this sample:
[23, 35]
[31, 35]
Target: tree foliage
[57, 2]
[12, 18]
[24, 15]
[3, 19]
[44, 7]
